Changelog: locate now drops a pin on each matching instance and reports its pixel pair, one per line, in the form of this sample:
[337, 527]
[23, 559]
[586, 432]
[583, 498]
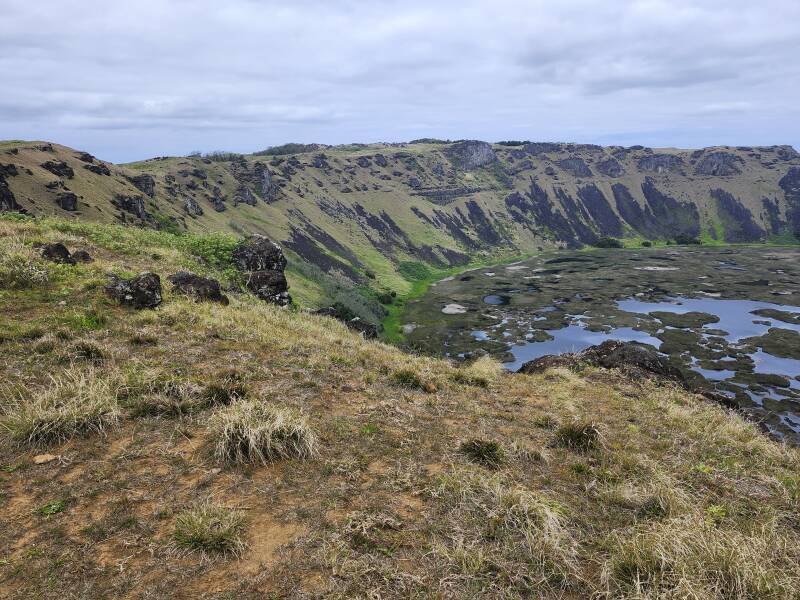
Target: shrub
[254, 432]
[486, 452]
[685, 239]
[78, 402]
[580, 436]
[170, 395]
[210, 528]
[608, 242]
[647, 244]
[414, 271]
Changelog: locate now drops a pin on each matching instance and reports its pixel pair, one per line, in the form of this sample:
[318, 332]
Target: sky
[133, 79]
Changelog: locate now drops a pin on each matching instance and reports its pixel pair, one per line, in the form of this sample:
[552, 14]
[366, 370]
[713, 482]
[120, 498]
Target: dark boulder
[636, 360]
[245, 196]
[381, 161]
[85, 157]
[143, 291]
[59, 167]
[9, 170]
[197, 287]
[363, 162]
[259, 253]
[98, 169]
[144, 183]
[67, 201]
[192, 208]
[266, 183]
[541, 148]
[270, 286]
[131, 204]
[264, 262]
[7, 200]
[82, 256]
[57, 253]
[471, 154]
[365, 328]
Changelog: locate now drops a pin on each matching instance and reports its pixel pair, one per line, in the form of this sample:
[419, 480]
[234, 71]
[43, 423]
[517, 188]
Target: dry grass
[211, 529]
[690, 558]
[20, 266]
[75, 403]
[255, 432]
[503, 535]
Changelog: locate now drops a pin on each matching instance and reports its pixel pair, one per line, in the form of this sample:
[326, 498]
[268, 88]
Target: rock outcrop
[660, 163]
[718, 164]
[131, 204]
[7, 200]
[57, 253]
[82, 256]
[610, 168]
[197, 287]
[59, 167]
[142, 291]
[365, 328]
[471, 154]
[144, 183]
[192, 208]
[67, 201]
[263, 262]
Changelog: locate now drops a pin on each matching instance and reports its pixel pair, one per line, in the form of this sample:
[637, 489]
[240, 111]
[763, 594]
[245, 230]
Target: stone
[610, 168]
[266, 183]
[67, 201]
[259, 253]
[142, 291]
[59, 167]
[131, 204]
[144, 183]
[575, 166]
[381, 161]
[263, 262]
[635, 360]
[7, 200]
[41, 459]
[98, 169]
[197, 287]
[57, 253]
[192, 207]
[82, 256]
[365, 328]
[8, 170]
[245, 196]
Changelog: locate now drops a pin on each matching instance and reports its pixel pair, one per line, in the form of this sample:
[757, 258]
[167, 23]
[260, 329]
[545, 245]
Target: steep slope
[354, 215]
[126, 471]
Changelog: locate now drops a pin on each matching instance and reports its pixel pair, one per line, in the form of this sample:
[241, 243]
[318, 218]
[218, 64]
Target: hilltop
[242, 450]
[362, 222]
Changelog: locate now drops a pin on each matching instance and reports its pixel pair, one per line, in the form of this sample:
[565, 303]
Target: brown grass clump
[504, 533]
[577, 435]
[690, 558]
[75, 403]
[211, 529]
[255, 432]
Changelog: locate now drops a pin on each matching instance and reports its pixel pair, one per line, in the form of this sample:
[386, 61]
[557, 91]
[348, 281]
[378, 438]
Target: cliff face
[357, 211]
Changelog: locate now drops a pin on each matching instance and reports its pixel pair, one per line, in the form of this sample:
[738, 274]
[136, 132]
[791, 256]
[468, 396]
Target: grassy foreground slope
[202, 451]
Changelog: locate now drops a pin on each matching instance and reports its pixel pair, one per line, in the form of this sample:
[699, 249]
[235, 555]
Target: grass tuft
[578, 435]
[75, 403]
[211, 529]
[254, 432]
[485, 452]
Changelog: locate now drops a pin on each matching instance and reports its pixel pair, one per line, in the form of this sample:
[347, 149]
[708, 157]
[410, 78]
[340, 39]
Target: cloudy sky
[133, 79]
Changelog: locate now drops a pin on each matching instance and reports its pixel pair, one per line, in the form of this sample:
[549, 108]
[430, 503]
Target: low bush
[578, 435]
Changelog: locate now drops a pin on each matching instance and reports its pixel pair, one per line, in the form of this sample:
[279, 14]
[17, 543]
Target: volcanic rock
[197, 287]
[57, 253]
[143, 291]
